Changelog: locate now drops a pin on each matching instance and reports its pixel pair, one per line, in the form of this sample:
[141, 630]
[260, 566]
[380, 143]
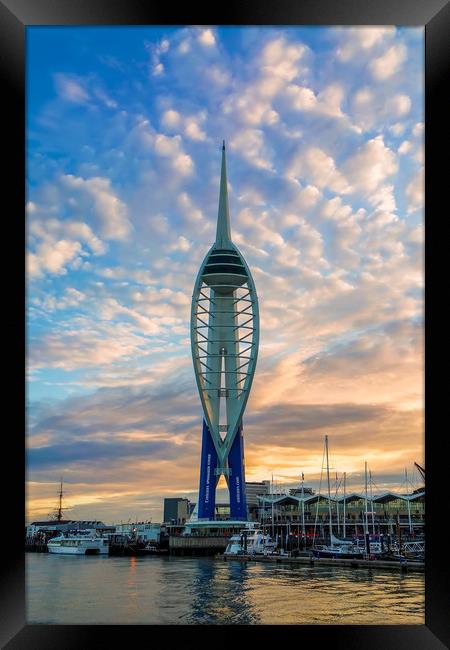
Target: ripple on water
[62, 589]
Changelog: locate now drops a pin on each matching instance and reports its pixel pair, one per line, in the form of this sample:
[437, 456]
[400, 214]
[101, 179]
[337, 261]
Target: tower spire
[223, 233]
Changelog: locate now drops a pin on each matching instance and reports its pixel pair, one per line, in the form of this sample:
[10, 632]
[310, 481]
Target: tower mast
[223, 231]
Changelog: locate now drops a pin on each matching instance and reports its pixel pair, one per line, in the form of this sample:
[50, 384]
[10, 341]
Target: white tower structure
[224, 338]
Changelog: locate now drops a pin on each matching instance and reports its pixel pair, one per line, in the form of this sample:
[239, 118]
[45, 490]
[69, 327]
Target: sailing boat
[339, 548]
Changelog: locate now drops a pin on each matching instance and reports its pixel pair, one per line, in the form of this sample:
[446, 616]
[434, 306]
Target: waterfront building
[255, 489]
[145, 530]
[176, 510]
[224, 341]
[299, 491]
[63, 525]
[387, 512]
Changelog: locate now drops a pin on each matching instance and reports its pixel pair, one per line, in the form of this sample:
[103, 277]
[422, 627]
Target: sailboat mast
[345, 476]
[409, 502]
[371, 502]
[328, 482]
[337, 507]
[272, 510]
[366, 526]
[303, 507]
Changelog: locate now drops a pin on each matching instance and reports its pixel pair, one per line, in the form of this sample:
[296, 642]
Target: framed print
[230, 342]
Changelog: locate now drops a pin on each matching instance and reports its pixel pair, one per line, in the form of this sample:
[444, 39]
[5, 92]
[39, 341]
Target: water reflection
[221, 594]
[70, 590]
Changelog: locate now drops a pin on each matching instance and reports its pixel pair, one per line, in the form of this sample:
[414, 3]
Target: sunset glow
[324, 133]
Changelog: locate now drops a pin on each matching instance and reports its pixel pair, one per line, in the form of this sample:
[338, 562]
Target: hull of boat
[146, 551]
[77, 550]
[342, 556]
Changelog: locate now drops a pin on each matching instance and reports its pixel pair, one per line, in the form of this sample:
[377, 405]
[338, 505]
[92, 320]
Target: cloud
[59, 245]
[389, 63]
[371, 165]
[189, 124]
[98, 195]
[327, 103]
[50, 229]
[357, 41]
[370, 109]
[52, 257]
[70, 298]
[95, 452]
[405, 147]
[84, 348]
[318, 168]
[280, 59]
[206, 38]
[171, 118]
[414, 146]
[171, 149]
[415, 191]
[156, 51]
[249, 143]
[279, 63]
[71, 89]
[324, 168]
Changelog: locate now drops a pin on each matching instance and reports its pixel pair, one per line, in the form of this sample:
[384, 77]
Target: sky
[324, 129]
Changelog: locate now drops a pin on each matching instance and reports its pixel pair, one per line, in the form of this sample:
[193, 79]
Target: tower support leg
[208, 479]
[236, 480]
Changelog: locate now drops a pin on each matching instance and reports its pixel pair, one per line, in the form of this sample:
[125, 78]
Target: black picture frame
[434, 15]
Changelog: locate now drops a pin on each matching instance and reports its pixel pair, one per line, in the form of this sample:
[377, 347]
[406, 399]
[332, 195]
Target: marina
[250, 544]
[301, 527]
[404, 565]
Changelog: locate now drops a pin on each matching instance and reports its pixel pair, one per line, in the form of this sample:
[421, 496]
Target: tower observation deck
[224, 340]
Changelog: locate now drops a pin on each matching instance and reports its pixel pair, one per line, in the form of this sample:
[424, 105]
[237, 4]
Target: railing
[323, 520]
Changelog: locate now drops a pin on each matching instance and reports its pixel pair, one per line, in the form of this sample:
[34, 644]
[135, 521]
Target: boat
[340, 548]
[250, 541]
[78, 543]
[150, 549]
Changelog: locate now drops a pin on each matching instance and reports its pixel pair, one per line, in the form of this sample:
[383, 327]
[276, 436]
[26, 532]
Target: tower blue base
[236, 480]
[209, 480]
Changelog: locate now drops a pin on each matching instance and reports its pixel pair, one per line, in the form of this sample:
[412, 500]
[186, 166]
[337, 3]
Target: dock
[197, 545]
[34, 547]
[339, 562]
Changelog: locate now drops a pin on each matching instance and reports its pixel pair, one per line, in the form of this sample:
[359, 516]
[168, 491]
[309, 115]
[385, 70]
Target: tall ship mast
[58, 514]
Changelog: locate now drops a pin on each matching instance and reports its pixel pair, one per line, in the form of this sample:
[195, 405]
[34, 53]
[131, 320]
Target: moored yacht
[79, 543]
[250, 541]
[341, 548]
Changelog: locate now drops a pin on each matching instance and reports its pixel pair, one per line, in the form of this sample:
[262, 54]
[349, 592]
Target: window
[224, 268]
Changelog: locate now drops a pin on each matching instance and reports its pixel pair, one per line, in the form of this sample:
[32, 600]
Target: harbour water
[171, 590]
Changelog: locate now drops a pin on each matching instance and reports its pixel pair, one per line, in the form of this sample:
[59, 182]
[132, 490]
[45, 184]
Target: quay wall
[36, 548]
[352, 563]
[196, 545]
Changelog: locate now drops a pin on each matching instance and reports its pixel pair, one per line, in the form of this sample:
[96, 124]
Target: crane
[421, 471]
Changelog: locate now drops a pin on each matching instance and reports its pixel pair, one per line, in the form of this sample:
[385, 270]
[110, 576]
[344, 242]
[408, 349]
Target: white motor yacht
[250, 541]
[79, 543]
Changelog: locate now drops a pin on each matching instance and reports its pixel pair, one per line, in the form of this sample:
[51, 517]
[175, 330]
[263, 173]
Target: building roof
[64, 522]
[379, 498]
[51, 522]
